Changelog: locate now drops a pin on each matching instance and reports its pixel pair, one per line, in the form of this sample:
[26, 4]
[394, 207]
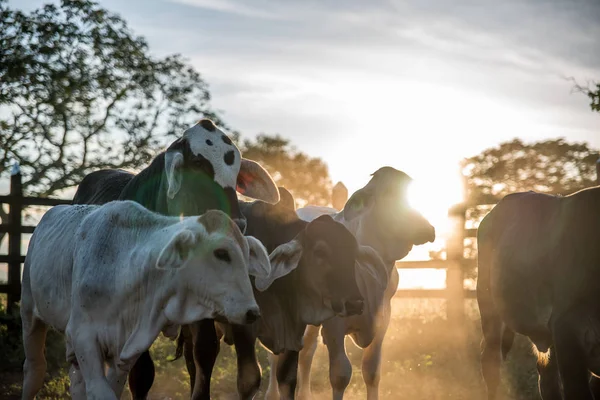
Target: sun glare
[433, 199]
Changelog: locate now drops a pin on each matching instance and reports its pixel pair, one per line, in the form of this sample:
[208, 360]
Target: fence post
[455, 272]
[14, 238]
[339, 196]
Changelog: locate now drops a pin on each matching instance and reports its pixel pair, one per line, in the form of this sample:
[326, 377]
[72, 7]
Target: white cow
[113, 277]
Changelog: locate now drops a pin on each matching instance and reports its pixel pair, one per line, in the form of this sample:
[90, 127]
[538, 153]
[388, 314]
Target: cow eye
[222, 255]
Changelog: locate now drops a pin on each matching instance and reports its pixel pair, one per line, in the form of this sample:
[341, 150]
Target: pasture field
[423, 358]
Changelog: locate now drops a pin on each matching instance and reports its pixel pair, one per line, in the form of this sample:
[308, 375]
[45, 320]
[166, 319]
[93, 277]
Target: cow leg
[272, 392]
[371, 368]
[305, 358]
[141, 376]
[77, 384]
[491, 354]
[287, 374]
[571, 356]
[340, 369]
[248, 368]
[117, 377]
[206, 350]
[548, 380]
[371, 360]
[34, 343]
[188, 354]
[91, 363]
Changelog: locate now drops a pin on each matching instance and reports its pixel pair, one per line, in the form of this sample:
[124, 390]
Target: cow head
[386, 220]
[312, 275]
[320, 255]
[210, 259]
[204, 169]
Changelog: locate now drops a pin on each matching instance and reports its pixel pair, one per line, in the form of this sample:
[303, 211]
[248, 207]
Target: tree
[550, 166]
[79, 92]
[307, 178]
[594, 95]
[592, 90]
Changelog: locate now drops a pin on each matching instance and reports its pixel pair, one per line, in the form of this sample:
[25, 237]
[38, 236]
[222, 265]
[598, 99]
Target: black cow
[198, 172]
[317, 283]
[539, 275]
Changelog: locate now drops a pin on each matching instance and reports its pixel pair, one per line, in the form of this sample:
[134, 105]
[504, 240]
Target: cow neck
[281, 326]
[142, 318]
[365, 236]
[147, 188]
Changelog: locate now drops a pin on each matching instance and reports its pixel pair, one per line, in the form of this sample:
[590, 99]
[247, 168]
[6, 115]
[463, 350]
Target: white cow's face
[212, 261]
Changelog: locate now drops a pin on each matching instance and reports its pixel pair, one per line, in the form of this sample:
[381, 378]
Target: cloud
[231, 7]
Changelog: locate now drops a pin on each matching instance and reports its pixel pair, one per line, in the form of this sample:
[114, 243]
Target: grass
[424, 357]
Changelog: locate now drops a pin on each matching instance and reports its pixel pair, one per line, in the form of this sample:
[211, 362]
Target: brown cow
[539, 275]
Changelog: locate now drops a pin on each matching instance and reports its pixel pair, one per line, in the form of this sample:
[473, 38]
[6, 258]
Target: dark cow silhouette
[539, 275]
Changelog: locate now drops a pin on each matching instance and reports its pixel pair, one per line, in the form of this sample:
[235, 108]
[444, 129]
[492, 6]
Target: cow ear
[286, 199]
[359, 203]
[254, 181]
[173, 164]
[176, 252]
[259, 265]
[284, 259]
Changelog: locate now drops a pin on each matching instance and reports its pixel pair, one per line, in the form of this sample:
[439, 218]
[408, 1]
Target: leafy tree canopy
[551, 166]
[79, 92]
[307, 178]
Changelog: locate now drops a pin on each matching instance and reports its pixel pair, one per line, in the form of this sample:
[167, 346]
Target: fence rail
[14, 228]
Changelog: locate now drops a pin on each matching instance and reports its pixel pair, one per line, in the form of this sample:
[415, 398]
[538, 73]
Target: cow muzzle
[248, 317]
[346, 308]
[252, 315]
[424, 235]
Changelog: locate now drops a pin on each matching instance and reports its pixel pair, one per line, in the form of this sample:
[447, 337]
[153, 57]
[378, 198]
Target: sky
[416, 84]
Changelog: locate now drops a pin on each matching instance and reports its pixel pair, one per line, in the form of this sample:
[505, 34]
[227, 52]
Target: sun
[433, 199]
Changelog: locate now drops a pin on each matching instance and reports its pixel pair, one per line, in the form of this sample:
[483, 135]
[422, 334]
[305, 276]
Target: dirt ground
[424, 357]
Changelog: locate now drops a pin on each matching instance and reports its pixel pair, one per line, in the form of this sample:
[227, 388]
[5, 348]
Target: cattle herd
[174, 250]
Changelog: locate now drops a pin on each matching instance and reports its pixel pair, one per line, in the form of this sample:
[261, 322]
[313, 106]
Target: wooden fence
[455, 263]
[15, 228]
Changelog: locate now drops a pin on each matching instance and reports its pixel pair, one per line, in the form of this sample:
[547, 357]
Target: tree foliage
[79, 92]
[592, 91]
[551, 166]
[307, 178]
[594, 95]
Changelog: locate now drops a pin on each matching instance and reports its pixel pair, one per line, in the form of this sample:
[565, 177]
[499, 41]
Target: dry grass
[424, 358]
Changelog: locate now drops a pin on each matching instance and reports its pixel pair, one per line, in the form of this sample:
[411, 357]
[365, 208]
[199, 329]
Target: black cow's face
[321, 254]
[203, 170]
[328, 265]
[392, 226]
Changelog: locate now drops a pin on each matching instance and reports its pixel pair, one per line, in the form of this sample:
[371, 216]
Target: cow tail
[508, 338]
